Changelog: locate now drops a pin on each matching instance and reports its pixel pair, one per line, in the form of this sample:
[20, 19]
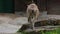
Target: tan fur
[35, 8]
[31, 7]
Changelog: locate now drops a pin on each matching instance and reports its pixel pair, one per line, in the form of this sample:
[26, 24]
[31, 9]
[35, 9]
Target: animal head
[32, 6]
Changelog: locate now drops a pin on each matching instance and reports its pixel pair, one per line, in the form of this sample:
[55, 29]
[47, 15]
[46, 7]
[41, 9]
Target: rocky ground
[10, 23]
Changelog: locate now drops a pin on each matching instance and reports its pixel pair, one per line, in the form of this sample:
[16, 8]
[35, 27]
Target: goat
[32, 14]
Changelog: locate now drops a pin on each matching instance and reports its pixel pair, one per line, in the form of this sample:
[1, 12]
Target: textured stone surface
[13, 23]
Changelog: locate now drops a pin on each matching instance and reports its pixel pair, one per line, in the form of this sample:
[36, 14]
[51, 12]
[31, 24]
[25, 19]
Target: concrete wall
[54, 7]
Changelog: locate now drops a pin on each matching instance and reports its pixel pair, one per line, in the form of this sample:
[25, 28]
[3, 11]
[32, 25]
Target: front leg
[33, 27]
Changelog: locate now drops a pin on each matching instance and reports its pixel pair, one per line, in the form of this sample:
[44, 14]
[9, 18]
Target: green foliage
[57, 31]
